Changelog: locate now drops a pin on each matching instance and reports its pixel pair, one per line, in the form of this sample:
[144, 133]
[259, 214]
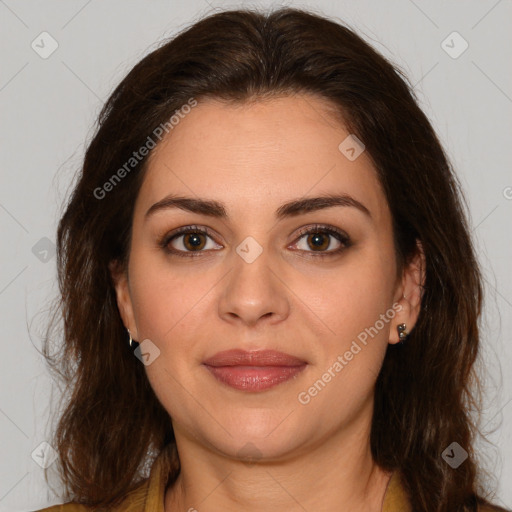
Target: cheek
[352, 298]
[356, 308]
[170, 305]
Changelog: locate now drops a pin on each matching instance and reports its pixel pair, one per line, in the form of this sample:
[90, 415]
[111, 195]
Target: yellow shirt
[148, 496]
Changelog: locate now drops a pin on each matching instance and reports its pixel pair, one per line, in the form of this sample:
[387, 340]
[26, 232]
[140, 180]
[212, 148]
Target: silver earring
[402, 333]
[131, 341]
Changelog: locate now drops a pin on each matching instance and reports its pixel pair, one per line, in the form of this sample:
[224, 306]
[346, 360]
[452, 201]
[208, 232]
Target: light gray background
[48, 107]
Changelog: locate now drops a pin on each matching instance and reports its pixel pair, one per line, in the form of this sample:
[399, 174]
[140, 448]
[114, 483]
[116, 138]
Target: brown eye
[194, 241]
[320, 238]
[188, 240]
[318, 241]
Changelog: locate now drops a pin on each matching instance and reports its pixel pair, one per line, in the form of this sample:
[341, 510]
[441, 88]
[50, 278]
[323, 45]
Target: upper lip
[238, 357]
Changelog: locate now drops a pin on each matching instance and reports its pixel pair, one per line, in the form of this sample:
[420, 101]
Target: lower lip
[254, 378]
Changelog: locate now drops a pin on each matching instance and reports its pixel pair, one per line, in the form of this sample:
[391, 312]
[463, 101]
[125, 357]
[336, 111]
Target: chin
[253, 450]
[258, 438]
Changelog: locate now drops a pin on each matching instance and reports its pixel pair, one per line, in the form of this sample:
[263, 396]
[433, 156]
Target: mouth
[254, 371]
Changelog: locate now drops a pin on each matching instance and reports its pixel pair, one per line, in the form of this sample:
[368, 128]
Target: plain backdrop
[456, 54]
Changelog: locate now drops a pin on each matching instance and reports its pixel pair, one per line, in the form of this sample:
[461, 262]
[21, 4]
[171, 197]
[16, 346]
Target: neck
[337, 473]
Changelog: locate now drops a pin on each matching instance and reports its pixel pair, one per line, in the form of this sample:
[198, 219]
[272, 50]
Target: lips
[253, 371]
[255, 358]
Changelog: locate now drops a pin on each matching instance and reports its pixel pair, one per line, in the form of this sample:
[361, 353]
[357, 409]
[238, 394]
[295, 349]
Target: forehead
[255, 156]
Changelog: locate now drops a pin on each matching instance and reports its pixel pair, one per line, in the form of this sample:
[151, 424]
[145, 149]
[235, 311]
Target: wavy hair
[427, 387]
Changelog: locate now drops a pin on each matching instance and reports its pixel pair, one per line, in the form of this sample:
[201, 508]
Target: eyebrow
[293, 208]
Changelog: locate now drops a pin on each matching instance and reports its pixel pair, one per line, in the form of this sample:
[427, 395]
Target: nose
[254, 292]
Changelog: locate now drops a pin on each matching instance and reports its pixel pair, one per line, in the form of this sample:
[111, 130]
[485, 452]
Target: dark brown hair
[426, 388]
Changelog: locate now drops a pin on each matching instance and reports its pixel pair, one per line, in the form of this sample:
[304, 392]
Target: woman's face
[255, 282]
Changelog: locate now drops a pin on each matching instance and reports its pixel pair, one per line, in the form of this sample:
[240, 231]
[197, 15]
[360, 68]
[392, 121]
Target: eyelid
[342, 237]
[330, 230]
[322, 228]
[167, 238]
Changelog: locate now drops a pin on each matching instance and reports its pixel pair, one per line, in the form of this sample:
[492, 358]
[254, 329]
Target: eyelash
[341, 236]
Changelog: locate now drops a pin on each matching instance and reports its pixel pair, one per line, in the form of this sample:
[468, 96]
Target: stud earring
[402, 333]
[133, 344]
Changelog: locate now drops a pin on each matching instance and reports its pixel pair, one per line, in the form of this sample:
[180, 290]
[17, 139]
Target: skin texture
[253, 158]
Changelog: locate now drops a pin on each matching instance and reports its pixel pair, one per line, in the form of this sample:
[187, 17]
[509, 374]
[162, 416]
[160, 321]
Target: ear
[408, 294]
[124, 301]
